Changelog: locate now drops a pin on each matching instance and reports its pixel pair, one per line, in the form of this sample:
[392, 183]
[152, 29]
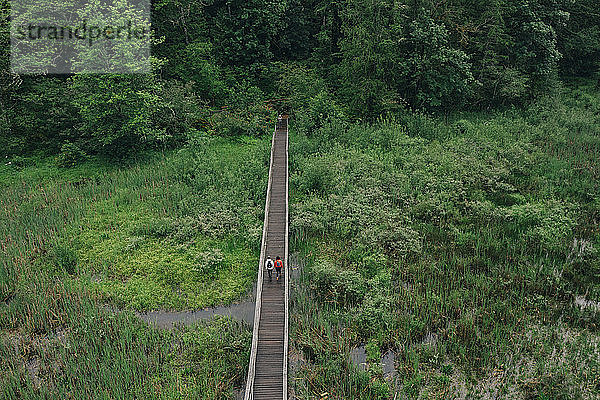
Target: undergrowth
[459, 244]
[176, 230]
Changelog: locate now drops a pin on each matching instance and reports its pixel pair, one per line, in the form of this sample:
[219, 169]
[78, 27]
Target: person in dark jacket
[269, 266]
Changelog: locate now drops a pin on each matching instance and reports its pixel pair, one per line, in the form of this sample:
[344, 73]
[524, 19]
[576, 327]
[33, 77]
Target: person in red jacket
[278, 266]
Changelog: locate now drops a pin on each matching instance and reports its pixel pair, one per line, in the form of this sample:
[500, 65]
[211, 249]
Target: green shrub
[154, 227]
[257, 120]
[347, 287]
[180, 112]
[373, 351]
[208, 264]
[70, 155]
[399, 241]
[17, 162]
[118, 131]
[548, 225]
[322, 115]
[371, 264]
[375, 315]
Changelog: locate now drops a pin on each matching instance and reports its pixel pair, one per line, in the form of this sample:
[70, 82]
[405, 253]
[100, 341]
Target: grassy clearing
[144, 261]
[183, 226]
[459, 244]
[179, 230]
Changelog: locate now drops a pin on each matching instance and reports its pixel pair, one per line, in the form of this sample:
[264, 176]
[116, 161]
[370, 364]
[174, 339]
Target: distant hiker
[278, 266]
[269, 267]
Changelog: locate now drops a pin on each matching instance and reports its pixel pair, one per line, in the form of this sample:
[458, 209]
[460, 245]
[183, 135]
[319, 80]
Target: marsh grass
[73, 348]
[177, 230]
[456, 247]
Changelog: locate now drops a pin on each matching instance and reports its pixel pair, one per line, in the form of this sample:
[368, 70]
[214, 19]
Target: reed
[453, 243]
[172, 230]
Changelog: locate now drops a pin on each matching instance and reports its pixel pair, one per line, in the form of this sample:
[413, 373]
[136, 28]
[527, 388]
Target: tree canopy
[371, 56]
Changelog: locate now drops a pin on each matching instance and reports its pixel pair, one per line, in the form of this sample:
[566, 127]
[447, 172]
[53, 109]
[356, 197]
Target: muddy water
[358, 356]
[242, 311]
[296, 263]
[238, 393]
[388, 363]
[583, 303]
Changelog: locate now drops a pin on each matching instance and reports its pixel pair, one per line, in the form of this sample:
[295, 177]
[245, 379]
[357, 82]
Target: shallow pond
[358, 356]
[583, 303]
[242, 311]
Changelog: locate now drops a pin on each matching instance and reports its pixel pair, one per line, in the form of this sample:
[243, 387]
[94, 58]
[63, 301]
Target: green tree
[242, 31]
[8, 83]
[579, 38]
[116, 112]
[535, 53]
[299, 28]
[369, 56]
[46, 116]
[393, 53]
[434, 74]
[326, 54]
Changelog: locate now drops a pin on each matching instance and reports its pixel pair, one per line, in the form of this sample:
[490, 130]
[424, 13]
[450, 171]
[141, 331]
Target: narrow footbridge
[267, 371]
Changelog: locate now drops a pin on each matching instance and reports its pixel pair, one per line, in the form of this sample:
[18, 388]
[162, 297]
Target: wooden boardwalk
[267, 371]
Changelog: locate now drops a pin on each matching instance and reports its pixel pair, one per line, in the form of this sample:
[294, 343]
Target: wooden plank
[254, 346]
[268, 378]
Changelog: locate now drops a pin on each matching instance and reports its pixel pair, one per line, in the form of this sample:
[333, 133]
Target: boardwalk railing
[249, 393]
[287, 281]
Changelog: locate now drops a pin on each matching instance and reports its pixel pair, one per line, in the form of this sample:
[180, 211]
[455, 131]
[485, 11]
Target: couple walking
[278, 265]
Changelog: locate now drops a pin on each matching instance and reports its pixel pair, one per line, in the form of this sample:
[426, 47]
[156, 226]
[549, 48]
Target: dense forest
[374, 57]
[444, 202]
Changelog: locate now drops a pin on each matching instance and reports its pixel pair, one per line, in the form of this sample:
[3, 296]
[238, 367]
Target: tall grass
[176, 230]
[71, 348]
[449, 242]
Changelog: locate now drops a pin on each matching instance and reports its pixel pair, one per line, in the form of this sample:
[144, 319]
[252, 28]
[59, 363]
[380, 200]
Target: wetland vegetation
[444, 202]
